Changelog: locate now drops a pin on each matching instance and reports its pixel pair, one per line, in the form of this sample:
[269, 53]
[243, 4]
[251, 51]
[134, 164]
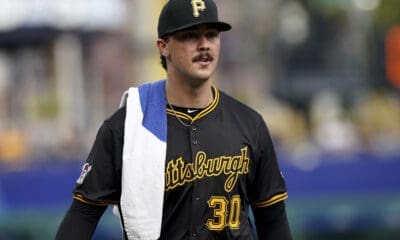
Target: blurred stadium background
[324, 73]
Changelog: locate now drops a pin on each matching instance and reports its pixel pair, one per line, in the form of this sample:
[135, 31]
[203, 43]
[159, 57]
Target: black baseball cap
[177, 15]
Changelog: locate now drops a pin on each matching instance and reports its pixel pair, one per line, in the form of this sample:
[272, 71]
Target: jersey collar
[201, 113]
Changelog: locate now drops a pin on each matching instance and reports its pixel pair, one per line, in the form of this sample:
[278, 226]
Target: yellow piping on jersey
[81, 198]
[271, 201]
[201, 114]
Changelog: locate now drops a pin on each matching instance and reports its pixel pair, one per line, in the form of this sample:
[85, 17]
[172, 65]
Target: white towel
[143, 169]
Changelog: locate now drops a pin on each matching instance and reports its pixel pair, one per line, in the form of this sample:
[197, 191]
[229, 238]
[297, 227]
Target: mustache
[203, 55]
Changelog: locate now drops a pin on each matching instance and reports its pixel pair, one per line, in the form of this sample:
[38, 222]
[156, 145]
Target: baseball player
[180, 159]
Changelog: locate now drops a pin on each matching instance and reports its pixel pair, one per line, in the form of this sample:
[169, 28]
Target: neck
[184, 94]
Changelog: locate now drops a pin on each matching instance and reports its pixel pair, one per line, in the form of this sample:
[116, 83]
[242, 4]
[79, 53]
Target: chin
[205, 73]
[197, 80]
[202, 77]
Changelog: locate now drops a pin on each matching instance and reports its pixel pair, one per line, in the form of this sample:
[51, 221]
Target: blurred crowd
[316, 70]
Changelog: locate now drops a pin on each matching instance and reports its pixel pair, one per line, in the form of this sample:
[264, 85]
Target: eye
[212, 34]
[190, 35]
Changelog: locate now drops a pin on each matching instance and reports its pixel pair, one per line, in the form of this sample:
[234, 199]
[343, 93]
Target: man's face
[193, 53]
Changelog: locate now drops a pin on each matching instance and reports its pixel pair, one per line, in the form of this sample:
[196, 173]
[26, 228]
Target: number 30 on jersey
[226, 213]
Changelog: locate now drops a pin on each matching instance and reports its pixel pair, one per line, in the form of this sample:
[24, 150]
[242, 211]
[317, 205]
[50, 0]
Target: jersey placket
[195, 222]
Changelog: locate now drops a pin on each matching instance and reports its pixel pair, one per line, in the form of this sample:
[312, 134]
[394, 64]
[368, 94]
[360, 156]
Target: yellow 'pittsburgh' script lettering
[178, 173]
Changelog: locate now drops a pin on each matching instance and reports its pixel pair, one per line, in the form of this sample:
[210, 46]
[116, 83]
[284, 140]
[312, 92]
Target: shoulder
[238, 108]
[116, 121]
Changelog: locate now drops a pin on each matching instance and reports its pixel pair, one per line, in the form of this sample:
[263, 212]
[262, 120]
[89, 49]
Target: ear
[162, 47]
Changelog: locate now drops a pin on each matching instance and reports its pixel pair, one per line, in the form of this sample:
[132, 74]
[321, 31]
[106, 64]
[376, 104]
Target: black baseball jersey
[220, 160]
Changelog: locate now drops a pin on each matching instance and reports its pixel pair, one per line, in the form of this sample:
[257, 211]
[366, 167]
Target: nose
[204, 43]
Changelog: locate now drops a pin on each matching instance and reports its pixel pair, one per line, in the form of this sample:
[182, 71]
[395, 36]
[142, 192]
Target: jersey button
[194, 128]
[195, 142]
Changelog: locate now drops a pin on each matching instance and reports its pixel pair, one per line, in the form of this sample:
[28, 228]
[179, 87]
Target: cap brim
[221, 26]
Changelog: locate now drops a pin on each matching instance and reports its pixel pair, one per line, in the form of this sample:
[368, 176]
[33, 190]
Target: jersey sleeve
[100, 180]
[268, 186]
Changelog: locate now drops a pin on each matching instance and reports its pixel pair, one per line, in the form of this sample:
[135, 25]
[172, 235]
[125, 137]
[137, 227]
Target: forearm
[272, 223]
[80, 221]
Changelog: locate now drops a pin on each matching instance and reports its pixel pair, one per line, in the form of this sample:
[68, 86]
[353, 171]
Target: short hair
[163, 62]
